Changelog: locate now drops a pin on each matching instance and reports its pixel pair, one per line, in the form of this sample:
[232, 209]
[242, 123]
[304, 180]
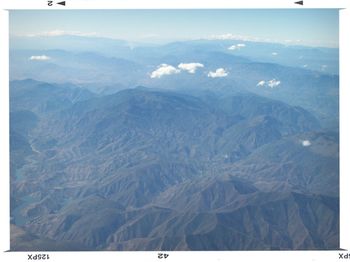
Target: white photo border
[344, 97]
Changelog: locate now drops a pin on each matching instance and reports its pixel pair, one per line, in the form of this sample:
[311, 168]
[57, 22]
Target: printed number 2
[49, 3]
[162, 255]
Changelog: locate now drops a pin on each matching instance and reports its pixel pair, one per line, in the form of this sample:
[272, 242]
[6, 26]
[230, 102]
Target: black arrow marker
[299, 3]
[62, 3]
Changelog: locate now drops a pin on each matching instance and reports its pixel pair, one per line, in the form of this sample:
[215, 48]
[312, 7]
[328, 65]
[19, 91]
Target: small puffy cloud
[164, 69]
[323, 67]
[305, 66]
[232, 47]
[274, 53]
[39, 57]
[190, 67]
[236, 47]
[306, 143]
[273, 83]
[261, 83]
[220, 72]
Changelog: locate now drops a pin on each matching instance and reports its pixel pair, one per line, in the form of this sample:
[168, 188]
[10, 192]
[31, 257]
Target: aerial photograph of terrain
[179, 130]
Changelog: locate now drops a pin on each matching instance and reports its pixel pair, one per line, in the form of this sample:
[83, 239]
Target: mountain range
[299, 76]
[163, 169]
[192, 145]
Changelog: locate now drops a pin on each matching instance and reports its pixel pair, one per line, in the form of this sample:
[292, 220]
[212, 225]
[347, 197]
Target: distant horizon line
[164, 41]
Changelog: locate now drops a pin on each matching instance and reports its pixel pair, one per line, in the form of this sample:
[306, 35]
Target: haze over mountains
[194, 145]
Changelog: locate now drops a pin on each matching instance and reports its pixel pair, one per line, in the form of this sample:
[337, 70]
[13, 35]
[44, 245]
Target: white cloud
[220, 72]
[190, 67]
[225, 37]
[323, 67]
[58, 32]
[306, 143]
[261, 83]
[305, 66]
[164, 69]
[232, 47]
[274, 53]
[236, 47]
[39, 57]
[273, 83]
[233, 37]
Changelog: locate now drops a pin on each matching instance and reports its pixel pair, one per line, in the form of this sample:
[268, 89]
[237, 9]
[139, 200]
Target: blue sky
[314, 27]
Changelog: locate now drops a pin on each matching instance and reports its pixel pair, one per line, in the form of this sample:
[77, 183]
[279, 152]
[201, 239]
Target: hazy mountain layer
[297, 75]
